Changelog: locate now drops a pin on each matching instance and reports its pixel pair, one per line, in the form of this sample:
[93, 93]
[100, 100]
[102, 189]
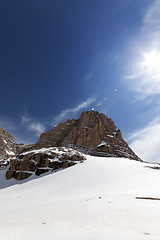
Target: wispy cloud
[144, 84]
[32, 125]
[113, 59]
[89, 76]
[70, 112]
[146, 141]
[145, 74]
[151, 20]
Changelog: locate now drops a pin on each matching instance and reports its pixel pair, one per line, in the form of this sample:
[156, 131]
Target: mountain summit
[64, 146]
[93, 133]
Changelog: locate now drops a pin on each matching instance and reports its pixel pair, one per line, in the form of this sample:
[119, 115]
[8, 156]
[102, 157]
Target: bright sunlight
[151, 61]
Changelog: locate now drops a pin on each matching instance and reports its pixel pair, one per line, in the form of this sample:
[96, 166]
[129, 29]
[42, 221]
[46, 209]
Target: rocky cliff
[7, 147]
[7, 144]
[93, 133]
[37, 162]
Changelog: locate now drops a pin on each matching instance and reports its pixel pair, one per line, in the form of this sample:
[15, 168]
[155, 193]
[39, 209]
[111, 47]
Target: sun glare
[151, 61]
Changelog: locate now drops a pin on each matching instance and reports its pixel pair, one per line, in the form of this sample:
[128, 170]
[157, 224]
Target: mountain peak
[93, 133]
[63, 146]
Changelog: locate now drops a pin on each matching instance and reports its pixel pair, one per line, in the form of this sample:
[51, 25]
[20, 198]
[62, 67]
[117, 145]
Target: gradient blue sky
[61, 57]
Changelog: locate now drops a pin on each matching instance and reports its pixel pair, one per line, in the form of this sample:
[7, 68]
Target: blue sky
[61, 57]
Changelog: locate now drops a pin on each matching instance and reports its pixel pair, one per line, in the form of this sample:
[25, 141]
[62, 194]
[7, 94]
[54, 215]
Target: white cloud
[145, 74]
[69, 112]
[144, 84]
[32, 125]
[25, 119]
[146, 142]
[151, 20]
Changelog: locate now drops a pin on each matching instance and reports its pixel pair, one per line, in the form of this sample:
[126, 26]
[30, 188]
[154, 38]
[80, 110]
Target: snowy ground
[94, 200]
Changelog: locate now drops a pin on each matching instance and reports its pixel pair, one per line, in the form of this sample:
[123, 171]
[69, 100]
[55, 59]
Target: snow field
[93, 200]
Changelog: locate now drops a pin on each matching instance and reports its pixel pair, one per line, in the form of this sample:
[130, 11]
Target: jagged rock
[42, 161]
[21, 147]
[40, 171]
[7, 144]
[10, 174]
[7, 148]
[65, 164]
[17, 175]
[93, 133]
[54, 137]
[22, 175]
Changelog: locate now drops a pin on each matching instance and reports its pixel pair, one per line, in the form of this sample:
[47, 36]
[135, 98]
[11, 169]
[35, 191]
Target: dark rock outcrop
[42, 161]
[20, 147]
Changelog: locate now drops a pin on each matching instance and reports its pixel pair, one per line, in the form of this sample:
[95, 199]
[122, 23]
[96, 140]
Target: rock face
[93, 133]
[42, 161]
[7, 148]
[7, 144]
[20, 148]
[65, 145]
[55, 137]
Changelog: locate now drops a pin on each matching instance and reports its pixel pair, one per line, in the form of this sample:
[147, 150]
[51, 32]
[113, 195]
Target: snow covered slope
[93, 200]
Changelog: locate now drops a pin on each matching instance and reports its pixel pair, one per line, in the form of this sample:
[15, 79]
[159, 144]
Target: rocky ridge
[65, 145]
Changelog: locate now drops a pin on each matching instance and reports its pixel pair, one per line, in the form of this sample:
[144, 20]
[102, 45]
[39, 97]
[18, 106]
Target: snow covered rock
[7, 144]
[7, 148]
[42, 161]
